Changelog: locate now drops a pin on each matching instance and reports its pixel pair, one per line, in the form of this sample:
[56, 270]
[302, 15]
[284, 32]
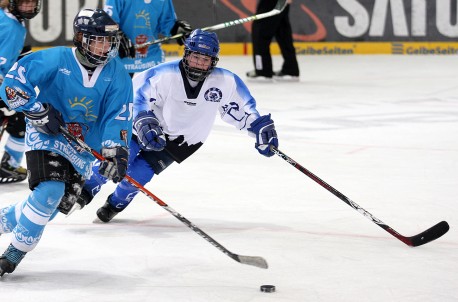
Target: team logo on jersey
[233, 110]
[16, 97]
[77, 130]
[82, 107]
[143, 19]
[213, 95]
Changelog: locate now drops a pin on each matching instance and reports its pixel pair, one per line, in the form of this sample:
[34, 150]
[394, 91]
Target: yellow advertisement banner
[333, 48]
[339, 48]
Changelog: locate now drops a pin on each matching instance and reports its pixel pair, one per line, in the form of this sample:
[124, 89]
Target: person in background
[12, 37]
[175, 105]
[140, 22]
[84, 89]
[262, 33]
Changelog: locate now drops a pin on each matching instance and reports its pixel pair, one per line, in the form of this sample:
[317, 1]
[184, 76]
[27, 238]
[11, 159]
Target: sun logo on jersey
[82, 107]
[213, 95]
[145, 16]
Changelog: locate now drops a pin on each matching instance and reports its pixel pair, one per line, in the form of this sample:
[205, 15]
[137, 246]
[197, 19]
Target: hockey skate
[283, 77]
[8, 173]
[10, 259]
[253, 76]
[107, 211]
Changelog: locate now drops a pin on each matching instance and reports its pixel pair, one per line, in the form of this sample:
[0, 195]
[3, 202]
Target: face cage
[196, 74]
[98, 56]
[31, 9]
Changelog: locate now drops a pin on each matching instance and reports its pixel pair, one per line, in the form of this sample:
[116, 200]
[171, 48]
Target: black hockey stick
[429, 235]
[249, 260]
[279, 7]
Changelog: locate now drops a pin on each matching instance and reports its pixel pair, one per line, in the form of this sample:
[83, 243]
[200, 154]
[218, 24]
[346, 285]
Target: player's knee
[49, 193]
[53, 189]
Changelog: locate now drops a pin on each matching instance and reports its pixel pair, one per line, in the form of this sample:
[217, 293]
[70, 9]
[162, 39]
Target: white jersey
[190, 112]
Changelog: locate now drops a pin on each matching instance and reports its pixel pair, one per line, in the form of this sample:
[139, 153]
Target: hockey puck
[268, 288]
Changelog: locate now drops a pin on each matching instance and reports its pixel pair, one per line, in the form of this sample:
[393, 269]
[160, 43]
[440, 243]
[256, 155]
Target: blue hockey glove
[47, 121]
[126, 48]
[266, 136]
[114, 166]
[150, 135]
[181, 27]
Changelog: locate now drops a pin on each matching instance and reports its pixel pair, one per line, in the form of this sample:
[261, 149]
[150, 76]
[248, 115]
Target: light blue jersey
[101, 105]
[142, 21]
[12, 37]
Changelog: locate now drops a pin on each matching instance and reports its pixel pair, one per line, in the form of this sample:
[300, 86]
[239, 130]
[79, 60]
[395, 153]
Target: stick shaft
[255, 261]
[279, 7]
[3, 125]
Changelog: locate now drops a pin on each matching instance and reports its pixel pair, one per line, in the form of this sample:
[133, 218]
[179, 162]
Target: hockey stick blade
[429, 235]
[252, 260]
[279, 7]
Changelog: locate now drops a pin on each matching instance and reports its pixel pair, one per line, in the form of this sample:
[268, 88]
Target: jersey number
[122, 115]
[108, 9]
[20, 73]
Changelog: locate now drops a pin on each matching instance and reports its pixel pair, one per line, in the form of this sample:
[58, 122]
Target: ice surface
[383, 130]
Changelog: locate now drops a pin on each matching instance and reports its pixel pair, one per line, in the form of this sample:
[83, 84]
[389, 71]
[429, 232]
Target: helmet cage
[32, 9]
[203, 43]
[196, 73]
[93, 48]
[96, 36]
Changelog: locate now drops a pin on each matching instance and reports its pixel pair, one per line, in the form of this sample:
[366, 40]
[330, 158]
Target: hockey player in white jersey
[12, 37]
[140, 22]
[87, 90]
[175, 105]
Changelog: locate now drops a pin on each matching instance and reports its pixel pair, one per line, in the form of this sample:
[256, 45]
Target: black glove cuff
[40, 114]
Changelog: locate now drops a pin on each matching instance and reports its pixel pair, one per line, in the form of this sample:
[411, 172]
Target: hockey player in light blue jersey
[12, 36]
[175, 105]
[142, 21]
[85, 89]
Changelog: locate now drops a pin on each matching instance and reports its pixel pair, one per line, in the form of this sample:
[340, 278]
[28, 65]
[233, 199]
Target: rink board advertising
[320, 27]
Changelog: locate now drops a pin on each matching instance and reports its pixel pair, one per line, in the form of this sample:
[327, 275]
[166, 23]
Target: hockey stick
[279, 7]
[430, 234]
[249, 260]
[3, 125]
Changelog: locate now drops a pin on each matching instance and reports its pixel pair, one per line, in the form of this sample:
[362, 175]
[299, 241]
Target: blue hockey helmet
[24, 9]
[203, 43]
[96, 36]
